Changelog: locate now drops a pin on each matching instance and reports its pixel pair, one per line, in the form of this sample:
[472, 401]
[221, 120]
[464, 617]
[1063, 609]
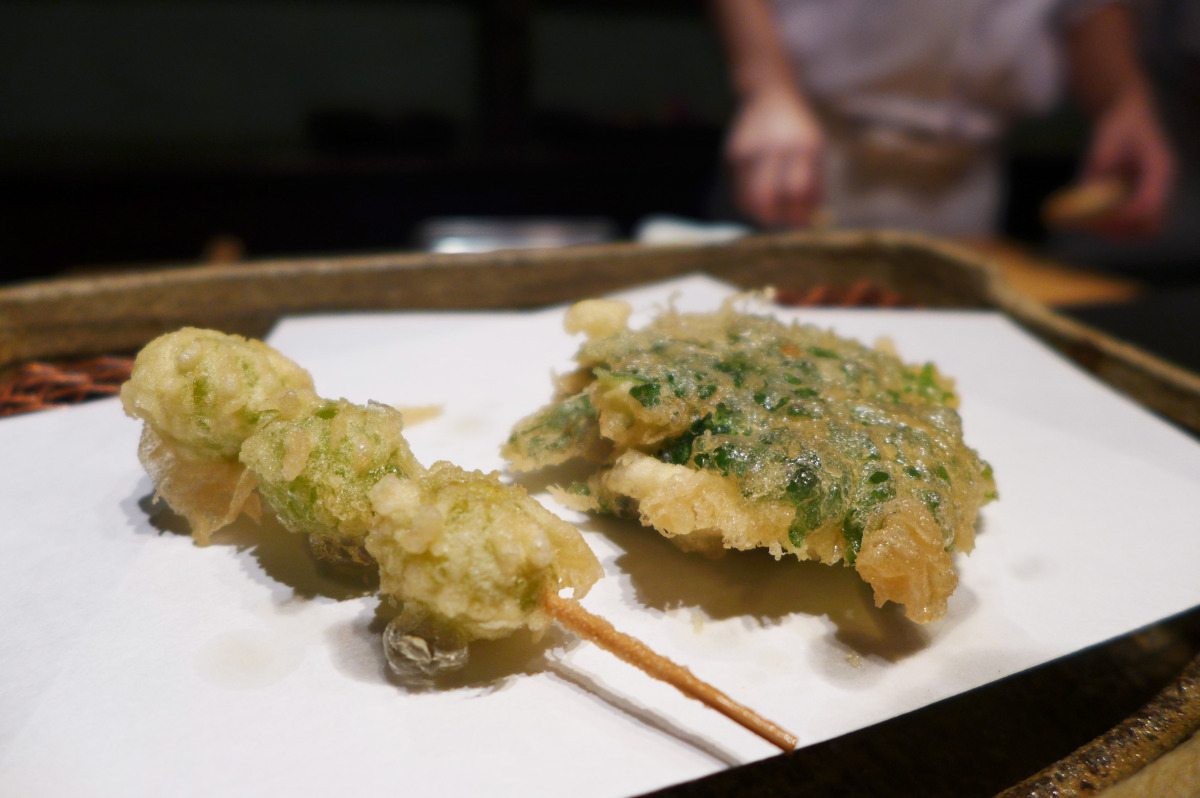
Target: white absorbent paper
[137, 663]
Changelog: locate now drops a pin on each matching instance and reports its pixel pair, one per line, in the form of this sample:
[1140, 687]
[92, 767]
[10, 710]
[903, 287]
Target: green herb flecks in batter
[820, 446]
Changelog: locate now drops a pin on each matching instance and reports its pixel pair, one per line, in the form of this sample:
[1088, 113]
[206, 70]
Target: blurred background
[159, 131]
[149, 130]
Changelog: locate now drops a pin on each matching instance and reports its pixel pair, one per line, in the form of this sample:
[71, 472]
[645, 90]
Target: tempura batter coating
[729, 430]
[228, 420]
[473, 551]
[201, 393]
[316, 471]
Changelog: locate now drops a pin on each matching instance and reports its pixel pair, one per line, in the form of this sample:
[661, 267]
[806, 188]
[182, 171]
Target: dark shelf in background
[343, 202]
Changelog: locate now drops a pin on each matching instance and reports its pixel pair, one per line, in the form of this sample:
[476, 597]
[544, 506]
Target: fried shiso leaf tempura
[229, 419]
[729, 430]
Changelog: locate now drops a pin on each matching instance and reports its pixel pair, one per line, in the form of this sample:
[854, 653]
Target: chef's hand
[774, 152]
[1128, 144]
[1127, 139]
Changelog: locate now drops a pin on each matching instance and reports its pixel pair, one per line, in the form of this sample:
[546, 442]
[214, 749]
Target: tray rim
[70, 317]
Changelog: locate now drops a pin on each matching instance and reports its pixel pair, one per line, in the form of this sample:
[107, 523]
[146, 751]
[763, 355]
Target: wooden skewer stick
[573, 616]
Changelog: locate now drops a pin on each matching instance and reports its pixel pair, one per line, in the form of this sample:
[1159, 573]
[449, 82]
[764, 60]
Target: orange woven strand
[38, 386]
[864, 293]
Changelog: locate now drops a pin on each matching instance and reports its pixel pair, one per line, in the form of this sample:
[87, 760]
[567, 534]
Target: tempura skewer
[398, 539]
[462, 554]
